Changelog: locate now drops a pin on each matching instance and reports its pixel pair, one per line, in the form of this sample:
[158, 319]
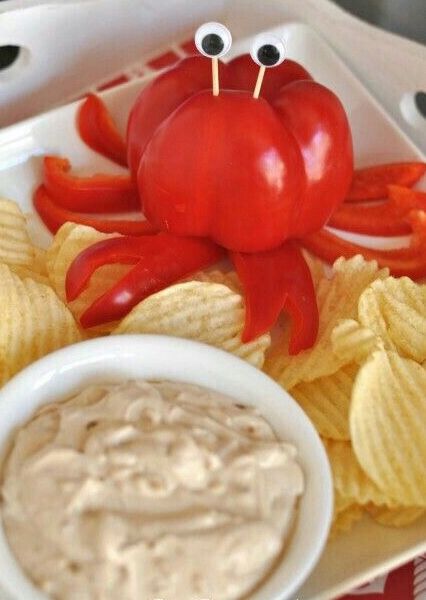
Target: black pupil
[8, 55]
[420, 98]
[268, 55]
[212, 44]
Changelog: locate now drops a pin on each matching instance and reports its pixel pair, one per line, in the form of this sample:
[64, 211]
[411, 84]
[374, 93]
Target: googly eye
[213, 40]
[267, 50]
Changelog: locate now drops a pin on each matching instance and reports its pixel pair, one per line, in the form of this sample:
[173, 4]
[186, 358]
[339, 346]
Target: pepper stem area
[259, 82]
[215, 76]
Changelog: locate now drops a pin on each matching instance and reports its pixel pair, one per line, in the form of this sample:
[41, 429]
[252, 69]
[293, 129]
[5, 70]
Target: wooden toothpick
[259, 82]
[215, 75]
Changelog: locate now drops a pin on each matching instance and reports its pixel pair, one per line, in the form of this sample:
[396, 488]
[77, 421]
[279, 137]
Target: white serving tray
[70, 44]
[369, 550]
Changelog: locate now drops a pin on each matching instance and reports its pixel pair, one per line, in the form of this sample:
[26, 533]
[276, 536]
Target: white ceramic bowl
[66, 371]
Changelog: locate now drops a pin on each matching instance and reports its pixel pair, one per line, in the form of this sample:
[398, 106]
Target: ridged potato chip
[387, 424]
[353, 342]
[352, 485]
[39, 265]
[34, 322]
[395, 517]
[395, 309]
[38, 269]
[337, 299]
[344, 520]
[26, 273]
[340, 503]
[56, 244]
[230, 278]
[326, 401]
[207, 312]
[15, 246]
[69, 241]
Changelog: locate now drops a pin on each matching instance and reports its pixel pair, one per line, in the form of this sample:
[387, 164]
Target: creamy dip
[138, 491]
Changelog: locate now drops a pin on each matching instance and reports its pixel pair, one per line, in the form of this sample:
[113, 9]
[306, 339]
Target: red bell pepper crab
[254, 177]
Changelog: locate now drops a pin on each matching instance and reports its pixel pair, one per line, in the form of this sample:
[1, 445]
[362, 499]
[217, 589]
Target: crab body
[247, 173]
[240, 191]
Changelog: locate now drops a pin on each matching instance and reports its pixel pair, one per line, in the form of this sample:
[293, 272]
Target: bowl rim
[222, 371]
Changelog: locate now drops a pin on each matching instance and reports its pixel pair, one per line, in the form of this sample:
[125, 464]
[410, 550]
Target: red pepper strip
[99, 193]
[53, 216]
[402, 195]
[409, 261]
[385, 219]
[124, 250]
[371, 183]
[98, 130]
[164, 259]
[417, 220]
[278, 280]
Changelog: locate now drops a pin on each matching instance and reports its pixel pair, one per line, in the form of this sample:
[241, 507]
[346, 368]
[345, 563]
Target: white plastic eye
[213, 40]
[267, 50]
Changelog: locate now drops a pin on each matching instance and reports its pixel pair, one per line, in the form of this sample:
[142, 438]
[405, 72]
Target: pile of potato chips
[363, 384]
[33, 320]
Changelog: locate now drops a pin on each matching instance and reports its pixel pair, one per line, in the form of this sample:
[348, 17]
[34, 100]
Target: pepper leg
[98, 130]
[161, 260]
[275, 281]
[124, 250]
[409, 261]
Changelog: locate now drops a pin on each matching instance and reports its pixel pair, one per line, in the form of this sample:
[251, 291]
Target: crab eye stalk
[267, 51]
[214, 41]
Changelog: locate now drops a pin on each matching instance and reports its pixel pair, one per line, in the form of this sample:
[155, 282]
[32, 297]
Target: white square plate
[368, 550]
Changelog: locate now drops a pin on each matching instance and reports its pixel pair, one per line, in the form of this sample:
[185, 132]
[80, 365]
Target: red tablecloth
[409, 581]
[406, 583]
